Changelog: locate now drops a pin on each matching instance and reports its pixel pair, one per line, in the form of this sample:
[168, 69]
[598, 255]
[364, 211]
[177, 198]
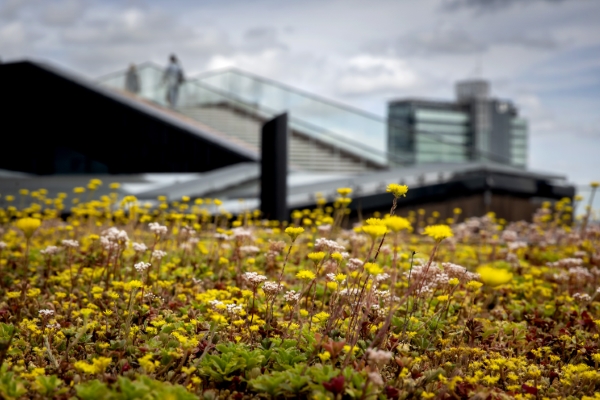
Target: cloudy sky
[542, 54]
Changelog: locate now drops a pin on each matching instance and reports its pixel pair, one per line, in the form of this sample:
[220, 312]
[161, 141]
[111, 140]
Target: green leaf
[93, 390]
[47, 384]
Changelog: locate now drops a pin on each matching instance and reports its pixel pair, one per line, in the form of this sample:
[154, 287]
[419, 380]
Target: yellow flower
[373, 268]
[98, 365]
[474, 285]
[344, 191]
[396, 224]
[294, 232]
[305, 275]
[324, 356]
[438, 232]
[320, 317]
[453, 281]
[147, 363]
[374, 230]
[79, 190]
[494, 276]
[316, 257]
[28, 226]
[34, 373]
[188, 370]
[374, 221]
[427, 395]
[340, 277]
[397, 190]
[595, 184]
[13, 295]
[442, 298]
[86, 312]
[337, 257]
[134, 284]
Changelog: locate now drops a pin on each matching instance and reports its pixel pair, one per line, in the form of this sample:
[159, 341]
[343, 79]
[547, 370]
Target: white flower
[271, 288]
[158, 254]
[375, 378]
[46, 312]
[330, 245]
[141, 266]
[139, 247]
[354, 263]
[234, 308]
[115, 235]
[53, 326]
[516, 245]
[509, 236]
[291, 296]
[323, 229]
[221, 236]
[583, 297]
[249, 249]
[349, 292]
[379, 357]
[215, 303]
[3, 245]
[186, 230]
[157, 228]
[254, 278]
[70, 243]
[242, 233]
[381, 293]
[50, 250]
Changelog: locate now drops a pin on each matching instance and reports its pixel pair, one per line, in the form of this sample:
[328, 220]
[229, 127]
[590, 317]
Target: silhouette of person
[132, 80]
[173, 78]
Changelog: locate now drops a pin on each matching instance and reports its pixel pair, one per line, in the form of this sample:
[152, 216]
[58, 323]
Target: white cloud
[63, 12]
[366, 74]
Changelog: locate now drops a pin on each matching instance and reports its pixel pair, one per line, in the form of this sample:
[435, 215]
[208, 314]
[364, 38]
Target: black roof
[57, 122]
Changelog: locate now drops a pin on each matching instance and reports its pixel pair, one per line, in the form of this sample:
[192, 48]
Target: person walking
[132, 80]
[173, 78]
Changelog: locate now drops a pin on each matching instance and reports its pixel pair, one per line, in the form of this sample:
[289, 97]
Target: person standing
[173, 78]
[132, 80]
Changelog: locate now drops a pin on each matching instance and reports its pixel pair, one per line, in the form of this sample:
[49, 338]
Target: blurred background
[539, 61]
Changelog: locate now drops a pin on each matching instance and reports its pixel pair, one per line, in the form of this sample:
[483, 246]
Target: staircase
[315, 145]
[305, 153]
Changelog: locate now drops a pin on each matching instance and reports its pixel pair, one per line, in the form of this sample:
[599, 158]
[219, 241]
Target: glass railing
[198, 93]
[354, 131]
[320, 116]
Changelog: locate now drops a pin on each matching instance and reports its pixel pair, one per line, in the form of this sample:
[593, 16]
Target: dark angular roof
[53, 118]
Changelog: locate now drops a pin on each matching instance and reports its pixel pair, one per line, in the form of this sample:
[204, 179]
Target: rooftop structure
[473, 128]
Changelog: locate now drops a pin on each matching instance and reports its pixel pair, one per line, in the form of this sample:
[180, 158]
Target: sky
[544, 55]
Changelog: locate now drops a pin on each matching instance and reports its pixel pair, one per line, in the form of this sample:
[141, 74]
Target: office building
[475, 127]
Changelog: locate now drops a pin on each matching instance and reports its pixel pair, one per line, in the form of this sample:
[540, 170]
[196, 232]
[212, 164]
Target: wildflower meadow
[118, 299]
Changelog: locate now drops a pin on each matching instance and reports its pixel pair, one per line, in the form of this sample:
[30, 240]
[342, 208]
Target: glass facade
[428, 135]
[452, 132]
[518, 148]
